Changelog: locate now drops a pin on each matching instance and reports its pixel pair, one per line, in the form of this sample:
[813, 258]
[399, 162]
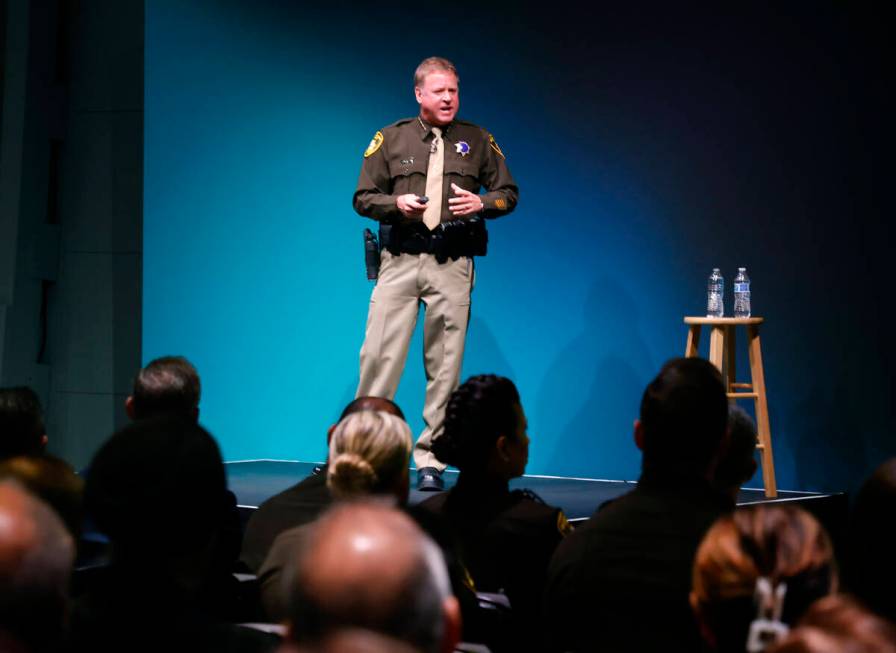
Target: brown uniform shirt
[397, 159]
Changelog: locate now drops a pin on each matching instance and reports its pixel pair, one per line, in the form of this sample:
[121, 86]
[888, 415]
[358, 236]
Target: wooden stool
[722, 355]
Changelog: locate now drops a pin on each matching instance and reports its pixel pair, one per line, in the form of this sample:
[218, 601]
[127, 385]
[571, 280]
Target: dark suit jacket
[621, 581]
[296, 505]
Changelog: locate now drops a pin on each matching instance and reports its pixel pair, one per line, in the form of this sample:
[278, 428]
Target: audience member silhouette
[838, 624]
[166, 386]
[300, 503]
[367, 565]
[620, 582]
[870, 566]
[505, 538]
[737, 459]
[157, 488]
[36, 555]
[756, 572]
[369, 453]
[22, 431]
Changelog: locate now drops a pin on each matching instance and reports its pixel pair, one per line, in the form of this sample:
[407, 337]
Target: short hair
[52, 480]
[736, 463]
[164, 470]
[21, 422]
[167, 385]
[410, 610]
[478, 413]
[369, 453]
[431, 65]
[36, 556]
[871, 572]
[371, 403]
[684, 415]
[781, 543]
[835, 624]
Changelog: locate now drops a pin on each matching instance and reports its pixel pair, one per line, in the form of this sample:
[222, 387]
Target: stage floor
[253, 481]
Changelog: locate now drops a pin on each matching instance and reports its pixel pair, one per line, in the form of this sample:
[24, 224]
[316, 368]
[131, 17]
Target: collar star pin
[462, 147]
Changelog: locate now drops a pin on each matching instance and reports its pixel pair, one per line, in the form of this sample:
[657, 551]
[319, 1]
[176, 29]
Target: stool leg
[730, 358]
[692, 349]
[762, 421]
[716, 346]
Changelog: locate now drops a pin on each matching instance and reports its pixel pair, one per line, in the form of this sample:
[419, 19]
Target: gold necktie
[433, 213]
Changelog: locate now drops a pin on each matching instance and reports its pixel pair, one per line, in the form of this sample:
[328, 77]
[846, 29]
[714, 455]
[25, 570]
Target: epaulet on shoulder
[529, 494]
[399, 123]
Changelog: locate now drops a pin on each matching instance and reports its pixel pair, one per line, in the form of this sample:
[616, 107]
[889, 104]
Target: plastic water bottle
[742, 294]
[715, 291]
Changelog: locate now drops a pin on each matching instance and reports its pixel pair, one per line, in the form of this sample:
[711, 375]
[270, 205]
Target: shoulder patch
[501, 203]
[491, 141]
[563, 525]
[375, 144]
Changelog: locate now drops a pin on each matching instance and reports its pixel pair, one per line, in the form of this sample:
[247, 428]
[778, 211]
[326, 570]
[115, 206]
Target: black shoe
[429, 479]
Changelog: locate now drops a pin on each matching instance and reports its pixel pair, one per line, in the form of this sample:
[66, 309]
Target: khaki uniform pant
[444, 289]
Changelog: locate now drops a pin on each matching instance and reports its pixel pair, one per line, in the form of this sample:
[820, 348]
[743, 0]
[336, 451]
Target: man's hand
[466, 203]
[409, 206]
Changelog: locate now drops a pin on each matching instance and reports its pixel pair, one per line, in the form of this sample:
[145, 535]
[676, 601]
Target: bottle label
[742, 287]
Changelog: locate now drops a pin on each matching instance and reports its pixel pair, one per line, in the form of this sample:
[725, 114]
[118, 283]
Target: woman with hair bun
[755, 574]
[506, 538]
[369, 452]
[369, 455]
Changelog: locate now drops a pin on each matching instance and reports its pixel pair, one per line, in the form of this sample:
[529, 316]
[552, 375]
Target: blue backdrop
[649, 147]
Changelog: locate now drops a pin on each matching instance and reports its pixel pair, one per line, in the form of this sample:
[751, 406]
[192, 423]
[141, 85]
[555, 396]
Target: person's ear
[501, 447]
[129, 408]
[639, 434]
[451, 632]
[43, 441]
[330, 435]
[418, 93]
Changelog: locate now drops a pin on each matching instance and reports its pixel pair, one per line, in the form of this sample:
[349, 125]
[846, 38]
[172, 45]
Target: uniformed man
[421, 179]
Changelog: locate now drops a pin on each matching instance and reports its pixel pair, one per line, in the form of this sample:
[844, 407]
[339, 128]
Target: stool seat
[724, 320]
[722, 355]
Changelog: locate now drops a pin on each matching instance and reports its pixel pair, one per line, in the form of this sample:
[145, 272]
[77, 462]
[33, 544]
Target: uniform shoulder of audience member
[36, 556]
[300, 503]
[22, 431]
[506, 538]
[870, 568]
[621, 580]
[754, 563]
[838, 624]
[366, 565]
[369, 453]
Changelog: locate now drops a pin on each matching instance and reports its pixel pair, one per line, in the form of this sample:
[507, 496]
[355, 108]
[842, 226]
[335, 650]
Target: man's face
[438, 97]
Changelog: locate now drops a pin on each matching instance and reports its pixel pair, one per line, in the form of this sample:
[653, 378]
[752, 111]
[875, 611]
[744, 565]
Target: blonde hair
[369, 452]
[431, 65]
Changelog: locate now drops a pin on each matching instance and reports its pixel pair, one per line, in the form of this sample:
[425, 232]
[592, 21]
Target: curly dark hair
[478, 412]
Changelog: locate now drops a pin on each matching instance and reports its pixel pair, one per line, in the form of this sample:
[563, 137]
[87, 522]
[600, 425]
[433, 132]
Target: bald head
[366, 565]
[36, 555]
